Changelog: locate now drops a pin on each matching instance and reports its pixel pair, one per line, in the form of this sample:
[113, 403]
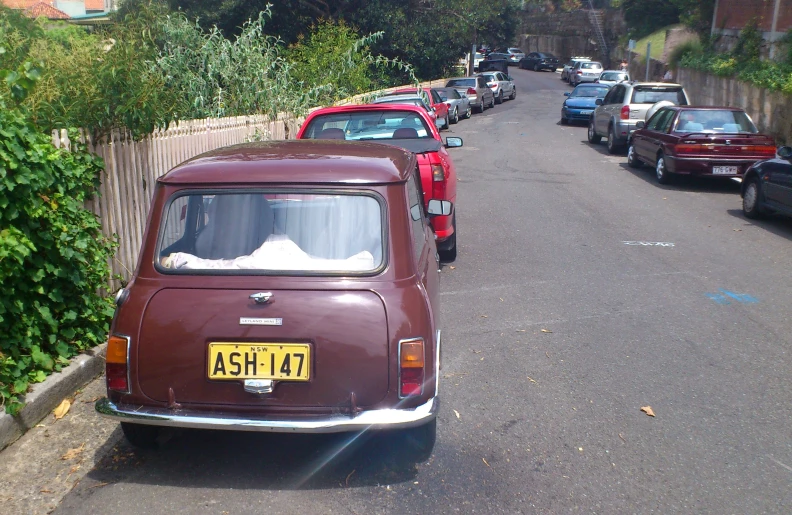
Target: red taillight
[471, 91]
[579, 72]
[762, 150]
[116, 363]
[625, 113]
[687, 148]
[411, 367]
[439, 179]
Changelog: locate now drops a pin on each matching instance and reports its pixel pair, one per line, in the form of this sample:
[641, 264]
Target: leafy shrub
[53, 258]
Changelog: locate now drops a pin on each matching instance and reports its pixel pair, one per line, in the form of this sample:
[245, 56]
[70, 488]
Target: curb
[47, 395]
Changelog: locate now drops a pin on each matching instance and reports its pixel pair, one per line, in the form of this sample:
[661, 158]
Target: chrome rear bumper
[337, 423]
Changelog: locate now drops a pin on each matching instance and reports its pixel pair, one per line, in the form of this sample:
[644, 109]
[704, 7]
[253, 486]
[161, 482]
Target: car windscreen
[285, 232]
[466, 83]
[590, 91]
[590, 66]
[714, 121]
[370, 125]
[653, 94]
[614, 76]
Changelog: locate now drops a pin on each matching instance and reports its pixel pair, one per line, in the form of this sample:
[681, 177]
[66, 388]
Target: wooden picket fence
[133, 167]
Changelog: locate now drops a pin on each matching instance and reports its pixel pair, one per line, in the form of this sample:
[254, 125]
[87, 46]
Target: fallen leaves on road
[484, 316]
[73, 453]
[485, 463]
[62, 409]
[456, 413]
[648, 410]
[452, 267]
[547, 354]
[546, 331]
[520, 330]
[97, 485]
[623, 440]
[350, 475]
[45, 491]
[531, 380]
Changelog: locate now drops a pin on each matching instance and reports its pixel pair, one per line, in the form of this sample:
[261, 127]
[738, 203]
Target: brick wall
[735, 14]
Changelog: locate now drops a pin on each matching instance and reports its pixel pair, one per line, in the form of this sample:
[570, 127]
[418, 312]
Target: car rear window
[369, 125]
[283, 232]
[653, 94]
[614, 76]
[590, 91]
[467, 83]
[714, 121]
[588, 65]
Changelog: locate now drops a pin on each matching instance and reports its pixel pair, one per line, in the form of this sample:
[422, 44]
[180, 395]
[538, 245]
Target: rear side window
[653, 94]
[296, 232]
[661, 120]
[416, 216]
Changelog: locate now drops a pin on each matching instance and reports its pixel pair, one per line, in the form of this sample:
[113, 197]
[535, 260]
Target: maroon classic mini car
[286, 286]
[694, 140]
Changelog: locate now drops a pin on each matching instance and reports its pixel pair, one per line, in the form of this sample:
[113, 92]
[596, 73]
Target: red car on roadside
[435, 102]
[408, 127]
[694, 140]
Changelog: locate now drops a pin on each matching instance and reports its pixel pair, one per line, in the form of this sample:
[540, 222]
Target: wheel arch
[750, 175]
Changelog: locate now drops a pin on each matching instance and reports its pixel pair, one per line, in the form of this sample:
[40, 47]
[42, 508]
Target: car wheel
[142, 436]
[446, 123]
[492, 102]
[613, 147]
[662, 173]
[632, 158]
[564, 121]
[751, 204]
[536, 67]
[455, 118]
[499, 100]
[480, 107]
[448, 252]
[593, 137]
[419, 441]
[513, 94]
[469, 112]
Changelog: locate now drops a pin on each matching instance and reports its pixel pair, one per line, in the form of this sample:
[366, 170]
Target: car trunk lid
[345, 357]
[739, 146]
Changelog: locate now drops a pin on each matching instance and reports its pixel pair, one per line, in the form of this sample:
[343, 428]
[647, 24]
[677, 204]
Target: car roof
[327, 162]
[655, 84]
[705, 108]
[591, 85]
[397, 97]
[615, 71]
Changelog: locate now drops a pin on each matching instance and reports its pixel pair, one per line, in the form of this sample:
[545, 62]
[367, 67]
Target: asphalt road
[556, 333]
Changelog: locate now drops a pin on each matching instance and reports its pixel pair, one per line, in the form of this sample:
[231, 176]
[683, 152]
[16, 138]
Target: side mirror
[439, 207]
[567, 93]
[599, 101]
[453, 142]
[783, 153]
[640, 125]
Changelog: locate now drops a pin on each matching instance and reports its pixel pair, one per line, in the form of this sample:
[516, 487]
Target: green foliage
[749, 43]
[688, 47]
[644, 17]
[53, 258]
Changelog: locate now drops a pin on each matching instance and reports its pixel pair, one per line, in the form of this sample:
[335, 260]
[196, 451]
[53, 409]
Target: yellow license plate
[281, 361]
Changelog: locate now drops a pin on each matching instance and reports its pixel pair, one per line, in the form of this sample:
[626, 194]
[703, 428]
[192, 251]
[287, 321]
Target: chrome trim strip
[336, 423]
[719, 160]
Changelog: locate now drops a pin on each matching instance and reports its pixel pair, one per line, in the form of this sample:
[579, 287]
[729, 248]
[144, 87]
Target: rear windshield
[588, 65]
[714, 121]
[590, 91]
[260, 232]
[447, 93]
[653, 94]
[369, 125]
[462, 82]
[614, 76]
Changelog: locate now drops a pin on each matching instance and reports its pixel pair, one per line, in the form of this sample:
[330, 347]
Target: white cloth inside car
[278, 252]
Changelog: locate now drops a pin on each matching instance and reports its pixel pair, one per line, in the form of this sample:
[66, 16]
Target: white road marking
[779, 463]
[649, 243]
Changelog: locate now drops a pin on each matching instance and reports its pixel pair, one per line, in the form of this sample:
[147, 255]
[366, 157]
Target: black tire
[513, 94]
[141, 436]
[593, 137]
[752, 204]
[492, 102]
[564, 121]
[499, 100]
[661, 172]
[480, 107]
[632, 157]
[613, 147]
[419, 441]
[448, 253]
[536, 67]
[469, 112]
[455, 118]
[446, 124]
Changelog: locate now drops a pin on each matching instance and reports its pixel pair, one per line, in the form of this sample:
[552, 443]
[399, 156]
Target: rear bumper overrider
[335, 423]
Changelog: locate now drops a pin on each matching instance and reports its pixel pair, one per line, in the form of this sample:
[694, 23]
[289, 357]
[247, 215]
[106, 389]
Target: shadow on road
[265, 461]
[777, 225]
[685, 182]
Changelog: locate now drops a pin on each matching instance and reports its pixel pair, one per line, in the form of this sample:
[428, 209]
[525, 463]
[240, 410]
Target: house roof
[44, 9]
[94, 5]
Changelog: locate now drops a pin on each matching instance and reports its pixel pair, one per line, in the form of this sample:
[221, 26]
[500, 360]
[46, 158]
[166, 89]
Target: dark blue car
[580, 103]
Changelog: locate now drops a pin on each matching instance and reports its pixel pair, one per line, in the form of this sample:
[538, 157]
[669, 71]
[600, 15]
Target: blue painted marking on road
[723, 297]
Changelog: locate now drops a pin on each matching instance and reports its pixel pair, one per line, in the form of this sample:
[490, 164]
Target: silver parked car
[626, 104]
[585, 71]
[458, 104]
[611, 77]
[476, 89]
[502, 86]
[515, 55]
[571, 64]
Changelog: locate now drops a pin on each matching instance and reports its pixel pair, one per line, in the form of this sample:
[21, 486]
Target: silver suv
[625, 105]
[476, 89]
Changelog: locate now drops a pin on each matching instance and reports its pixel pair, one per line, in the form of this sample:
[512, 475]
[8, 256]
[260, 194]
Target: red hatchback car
[692, 140]
[435, 102]
[283, 287]
[410, 128]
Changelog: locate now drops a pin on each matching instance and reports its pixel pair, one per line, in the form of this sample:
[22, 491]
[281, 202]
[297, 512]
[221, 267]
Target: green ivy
[53, 257]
